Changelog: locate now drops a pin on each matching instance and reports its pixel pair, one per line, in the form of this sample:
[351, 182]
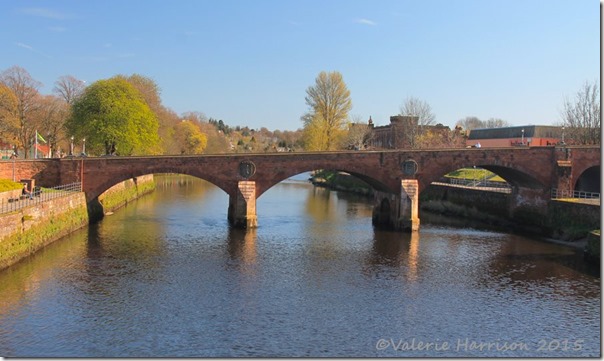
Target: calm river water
[167, 277]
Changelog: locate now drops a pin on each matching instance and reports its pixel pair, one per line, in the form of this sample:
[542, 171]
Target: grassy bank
[341, 181]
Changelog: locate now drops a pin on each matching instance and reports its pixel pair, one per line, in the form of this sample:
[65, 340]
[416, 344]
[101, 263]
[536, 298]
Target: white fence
[560, 194]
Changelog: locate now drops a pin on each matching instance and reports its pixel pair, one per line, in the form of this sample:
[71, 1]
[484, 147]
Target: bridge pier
[529, 205]
[398, 212]
[242, 206]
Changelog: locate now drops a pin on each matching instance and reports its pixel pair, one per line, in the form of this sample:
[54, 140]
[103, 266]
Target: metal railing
[561, 194]
[39, 195]
[477, 184]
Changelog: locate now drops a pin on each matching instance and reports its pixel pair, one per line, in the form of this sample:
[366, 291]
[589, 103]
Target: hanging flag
[40, 137]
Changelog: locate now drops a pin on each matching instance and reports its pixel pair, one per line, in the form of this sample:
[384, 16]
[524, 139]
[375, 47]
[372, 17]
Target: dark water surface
[166, 276]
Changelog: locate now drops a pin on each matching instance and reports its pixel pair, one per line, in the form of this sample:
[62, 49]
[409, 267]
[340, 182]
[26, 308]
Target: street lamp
[562, 134]
[84, 146]
[71, 147]
[522, 136]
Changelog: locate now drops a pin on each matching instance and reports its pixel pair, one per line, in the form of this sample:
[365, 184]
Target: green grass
[475, 174]
[9, 185]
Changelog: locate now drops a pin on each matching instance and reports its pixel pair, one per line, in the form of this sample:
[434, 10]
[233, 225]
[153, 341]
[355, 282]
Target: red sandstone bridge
[398, 176]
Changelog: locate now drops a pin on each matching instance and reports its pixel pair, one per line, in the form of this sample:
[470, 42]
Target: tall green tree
[329, 102]
[166, 117]
[114, 118]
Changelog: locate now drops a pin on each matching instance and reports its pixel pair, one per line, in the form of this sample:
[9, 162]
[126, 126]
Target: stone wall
[27, 230]
[124, 192]
[562, 220]
[8, 196]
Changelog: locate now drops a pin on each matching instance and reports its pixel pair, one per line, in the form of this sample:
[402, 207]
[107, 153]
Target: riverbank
[27, 230]
[566, 223]
[122, 193]
[340, 181]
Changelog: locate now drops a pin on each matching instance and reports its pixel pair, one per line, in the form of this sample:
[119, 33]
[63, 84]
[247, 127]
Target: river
[167, 277]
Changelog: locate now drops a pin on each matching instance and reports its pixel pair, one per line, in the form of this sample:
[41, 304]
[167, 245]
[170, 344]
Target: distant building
[6, 150]
[404, 132]
[528, 135]
[392, 136]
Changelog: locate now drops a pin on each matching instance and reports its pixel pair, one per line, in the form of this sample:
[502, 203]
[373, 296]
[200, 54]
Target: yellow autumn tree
[329, 103]
[189, 138]
[9, 115]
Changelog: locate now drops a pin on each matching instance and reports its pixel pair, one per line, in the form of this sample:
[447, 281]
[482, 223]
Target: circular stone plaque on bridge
[247, 169]
[409, 167]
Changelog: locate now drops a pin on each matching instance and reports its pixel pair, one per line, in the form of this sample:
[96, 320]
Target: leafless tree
[582, 116]
[359, 133]
[495, 123]
[469, 123]
[69, 88]
[415, 107]
[51, 116]
[472, 122]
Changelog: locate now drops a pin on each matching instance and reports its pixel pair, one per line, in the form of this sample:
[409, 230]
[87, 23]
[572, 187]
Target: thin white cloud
[31, 48]
[25, 46]
[44, 13]
[365, 22]
[57, 29]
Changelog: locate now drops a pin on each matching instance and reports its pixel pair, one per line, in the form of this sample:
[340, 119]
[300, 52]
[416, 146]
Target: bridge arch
[515, 177]
[92, 194]
[589, 180]
[265, 182]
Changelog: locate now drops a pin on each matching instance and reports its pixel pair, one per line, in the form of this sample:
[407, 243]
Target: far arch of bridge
[99, 188]
[517, 172]
[512, 175]
[265, 181]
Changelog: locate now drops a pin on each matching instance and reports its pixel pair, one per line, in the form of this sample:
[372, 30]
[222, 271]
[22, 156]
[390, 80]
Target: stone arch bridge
[398, 176]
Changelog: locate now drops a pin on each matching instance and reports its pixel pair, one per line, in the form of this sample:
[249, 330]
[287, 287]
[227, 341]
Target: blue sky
[249, 62]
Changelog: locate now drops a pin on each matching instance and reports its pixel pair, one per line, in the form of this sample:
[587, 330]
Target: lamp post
[84, 146]
[71, 147]
[522, 136]
[562, 134]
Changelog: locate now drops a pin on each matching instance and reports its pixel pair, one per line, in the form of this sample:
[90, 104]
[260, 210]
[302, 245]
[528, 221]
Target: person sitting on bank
[27, 192]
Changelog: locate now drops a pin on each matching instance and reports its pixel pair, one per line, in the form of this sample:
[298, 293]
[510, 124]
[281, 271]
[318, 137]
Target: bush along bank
[340, 181]
[29, 229]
